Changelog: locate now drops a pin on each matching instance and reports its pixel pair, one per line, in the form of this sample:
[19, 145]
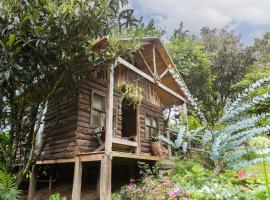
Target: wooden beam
[105, 177]
[134, 156]
[164, 73]
[106, 162]
[146, 76]
[64, 160]
[33, 183]
[109, 111]
[154, 58]
[124, 142]
[77, 180]
[146, 64]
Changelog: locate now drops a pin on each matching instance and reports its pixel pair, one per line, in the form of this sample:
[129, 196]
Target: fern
[8, 189]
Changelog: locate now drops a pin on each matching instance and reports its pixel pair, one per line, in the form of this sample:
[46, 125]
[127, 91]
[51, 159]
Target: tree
[230, 61]
[194, 64]
[45, 49]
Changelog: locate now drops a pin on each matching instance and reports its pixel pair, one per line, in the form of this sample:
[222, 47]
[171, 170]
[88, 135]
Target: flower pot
[156, 148]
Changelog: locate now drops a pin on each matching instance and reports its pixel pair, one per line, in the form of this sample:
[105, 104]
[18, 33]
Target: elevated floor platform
[97, 156]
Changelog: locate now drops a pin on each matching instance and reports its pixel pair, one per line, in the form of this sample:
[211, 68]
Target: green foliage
[57, 197]
[46, 50]
[130, 93]
[8, 189]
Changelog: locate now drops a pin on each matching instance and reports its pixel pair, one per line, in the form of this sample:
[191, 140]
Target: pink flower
[131, 186]
[241, 174]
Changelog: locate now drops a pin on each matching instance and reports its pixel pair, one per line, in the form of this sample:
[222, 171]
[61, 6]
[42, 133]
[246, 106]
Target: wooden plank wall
[74, 132]
[151, 104]
[86, 142]
[60, 128]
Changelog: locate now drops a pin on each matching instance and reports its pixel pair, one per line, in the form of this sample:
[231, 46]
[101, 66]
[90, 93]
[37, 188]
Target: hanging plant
[131, 93]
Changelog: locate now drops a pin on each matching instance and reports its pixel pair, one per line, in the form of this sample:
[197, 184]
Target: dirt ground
[65, 189]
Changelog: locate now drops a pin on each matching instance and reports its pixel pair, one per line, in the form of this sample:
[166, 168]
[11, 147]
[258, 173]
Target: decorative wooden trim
[145, 62]
[154, 58]
[164, 73]
[146, 76]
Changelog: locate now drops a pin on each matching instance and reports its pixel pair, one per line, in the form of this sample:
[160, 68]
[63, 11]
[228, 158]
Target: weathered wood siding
[74, 132]
[151, 104]
[60, 128]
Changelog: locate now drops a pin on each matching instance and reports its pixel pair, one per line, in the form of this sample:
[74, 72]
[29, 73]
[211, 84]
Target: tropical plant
[226, 143]
[57, 197]
[8, 189]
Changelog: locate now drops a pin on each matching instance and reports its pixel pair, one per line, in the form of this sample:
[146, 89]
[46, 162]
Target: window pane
[154, 122]
[148, 121]
[147, 132]
[99, 102]
[102, 119]
[95, 117]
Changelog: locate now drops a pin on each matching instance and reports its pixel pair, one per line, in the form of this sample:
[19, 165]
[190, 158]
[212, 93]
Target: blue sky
[250, 18]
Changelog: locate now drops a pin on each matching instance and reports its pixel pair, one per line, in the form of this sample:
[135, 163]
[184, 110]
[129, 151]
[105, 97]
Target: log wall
[60, 128]
[74, 132]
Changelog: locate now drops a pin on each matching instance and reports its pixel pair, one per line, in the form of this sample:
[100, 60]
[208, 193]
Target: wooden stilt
[33, 183]
[77, 180]
[98, 182]
[169, 146]
[50, 182]
[131, 171]
[105, 178]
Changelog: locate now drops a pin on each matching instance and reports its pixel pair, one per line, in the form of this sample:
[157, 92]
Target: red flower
[241, 174]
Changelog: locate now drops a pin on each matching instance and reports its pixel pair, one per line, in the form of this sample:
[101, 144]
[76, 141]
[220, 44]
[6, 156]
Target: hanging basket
[131, 93]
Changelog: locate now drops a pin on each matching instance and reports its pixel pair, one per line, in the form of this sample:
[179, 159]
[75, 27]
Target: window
[151, 126]
[98, 111]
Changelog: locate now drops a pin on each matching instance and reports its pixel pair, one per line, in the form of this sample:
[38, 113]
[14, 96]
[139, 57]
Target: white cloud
[198, 13]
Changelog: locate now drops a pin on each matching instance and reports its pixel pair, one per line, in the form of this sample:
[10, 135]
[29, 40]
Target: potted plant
[156, 146]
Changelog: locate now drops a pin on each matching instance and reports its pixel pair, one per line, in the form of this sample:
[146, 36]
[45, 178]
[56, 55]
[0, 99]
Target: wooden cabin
[96, 126]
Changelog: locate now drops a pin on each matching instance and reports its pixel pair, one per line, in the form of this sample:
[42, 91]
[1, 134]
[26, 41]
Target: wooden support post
[138, 132]
[131, 172]
[185, 119]
[50, 182]
[109, 112]
[77, 180]
[98, 182]
[106, 161]
[33, 183]
[169, 146]
[105, 177]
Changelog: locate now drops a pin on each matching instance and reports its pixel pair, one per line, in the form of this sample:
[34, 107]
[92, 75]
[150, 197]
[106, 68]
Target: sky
[249, 18]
